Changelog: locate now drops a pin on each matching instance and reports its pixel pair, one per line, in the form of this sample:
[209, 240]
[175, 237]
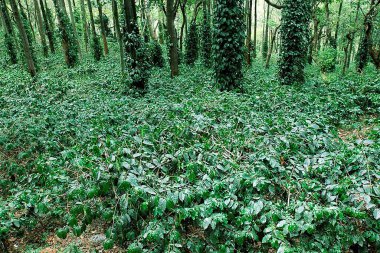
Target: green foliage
[206, 39]
[327, 59]
[192, 44]
[156, 55]
[187, 168]
[228, 43]
[294, 40]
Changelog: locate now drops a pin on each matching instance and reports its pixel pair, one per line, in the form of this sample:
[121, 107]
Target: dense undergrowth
[186, 168]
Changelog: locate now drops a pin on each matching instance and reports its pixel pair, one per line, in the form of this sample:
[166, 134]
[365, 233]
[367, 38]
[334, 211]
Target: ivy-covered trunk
[48, 28]
[102, 27]
[96, 47]
[228, 43]
[69, 44]
[26, 43]
[9, 39]
[41, 28]
[294, 41]
[173, 40]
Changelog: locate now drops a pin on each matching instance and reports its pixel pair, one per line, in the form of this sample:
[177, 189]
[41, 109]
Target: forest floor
[77, 139]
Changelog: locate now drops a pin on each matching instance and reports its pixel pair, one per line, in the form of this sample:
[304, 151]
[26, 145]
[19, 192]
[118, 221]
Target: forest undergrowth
[184, 167]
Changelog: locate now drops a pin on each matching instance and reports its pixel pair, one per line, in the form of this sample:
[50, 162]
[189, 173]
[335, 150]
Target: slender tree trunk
[102, 27]
[74, 27]
[338, 23]
[173, 46]
[330, 39]
[249, 32]
[48, 30]
[271, 47]
[118, 34]
[26, 44]
[184, 24]
[84, 24]
[41, 28]
[266, 34]
[9, 34]
[353, 37]
[149, 20]
[29, 18]
[255, 33]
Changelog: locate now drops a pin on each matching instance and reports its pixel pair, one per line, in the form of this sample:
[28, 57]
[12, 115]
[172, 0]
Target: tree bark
[249, 32]
[41, 28]
[118, 34]
[26, 44]
[9, 34]
[74, 27]
[184, 23]
[102, 27]
[84, 23]
[255, 33]
[271, 47]
[48, 29]
[171, 9]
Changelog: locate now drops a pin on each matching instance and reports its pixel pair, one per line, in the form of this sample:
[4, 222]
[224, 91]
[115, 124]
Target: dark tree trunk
[249, 32]
[102, 27]
[255, 33]
[26, 44]
[266, 34]
[271, 47]
[73, 23]
[118, 34]
[184, 23]
[171, 9]
[84, 24]
[48, 29]
[41, 28]
[338, 23]
[9, 34]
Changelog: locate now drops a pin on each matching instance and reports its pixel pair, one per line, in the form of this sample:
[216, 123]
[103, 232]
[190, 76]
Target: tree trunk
[266, 34]
[28, 17]
[149, 20]
[338, 23]
[84, 23]
[102, 27]
[184, 23]
[255, 33]
[249, 32]
[26, 44]
[366, 42]
[173, 46]
[9, 34]
[48, 29]
[271, 46]
[74, 27]
[330, 39]
[41, 28]
[118, 34]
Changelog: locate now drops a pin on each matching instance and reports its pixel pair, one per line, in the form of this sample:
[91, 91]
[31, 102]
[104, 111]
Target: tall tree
[254, 49]
[26, 44]
[9, 39]
[294, 40]
[69, 43]
[102, 26]
[48, 28]
[266, 33]
[96, 47]
[206, 35]
[84, 24]
[115, 12]
[248, 41]
[73, 23]
[171, 10]
[137, 61]
[228, 43]
[41, 28]
[366, 41]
